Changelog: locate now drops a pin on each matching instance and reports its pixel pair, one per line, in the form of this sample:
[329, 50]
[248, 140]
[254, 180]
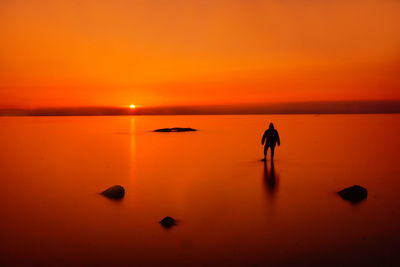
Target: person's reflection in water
[270, 139]
[270, 179]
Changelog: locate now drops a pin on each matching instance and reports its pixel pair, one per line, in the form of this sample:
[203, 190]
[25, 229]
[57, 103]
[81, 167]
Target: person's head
[271, 125]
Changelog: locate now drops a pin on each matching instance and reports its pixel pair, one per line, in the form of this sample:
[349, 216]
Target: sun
[132, 106]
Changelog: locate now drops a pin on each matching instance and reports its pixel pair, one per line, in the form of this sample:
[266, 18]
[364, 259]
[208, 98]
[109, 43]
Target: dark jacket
[270, 138]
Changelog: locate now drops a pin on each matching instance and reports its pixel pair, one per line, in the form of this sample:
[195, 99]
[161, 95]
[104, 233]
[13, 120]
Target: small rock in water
[165, 130]
[168, 222]
[175, 129]
[354, 193]
[114, 192]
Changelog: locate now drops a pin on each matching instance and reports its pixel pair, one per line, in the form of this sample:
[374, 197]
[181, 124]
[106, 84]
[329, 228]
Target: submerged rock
[175, 129]
[114, 192]
[354, 193]
[168, 222]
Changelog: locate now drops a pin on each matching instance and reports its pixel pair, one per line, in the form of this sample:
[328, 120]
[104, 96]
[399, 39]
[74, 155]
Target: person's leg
[265, 152]
[272, 152]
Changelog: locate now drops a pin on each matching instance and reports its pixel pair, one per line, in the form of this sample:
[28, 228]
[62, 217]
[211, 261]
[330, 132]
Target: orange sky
[170, 52]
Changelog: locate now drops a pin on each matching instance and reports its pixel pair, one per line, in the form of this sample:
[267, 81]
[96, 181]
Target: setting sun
[132, 106]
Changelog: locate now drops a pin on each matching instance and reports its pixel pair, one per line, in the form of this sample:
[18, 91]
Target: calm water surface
[231, 208]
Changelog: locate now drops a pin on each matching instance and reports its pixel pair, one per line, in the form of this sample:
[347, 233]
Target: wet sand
[231, 208]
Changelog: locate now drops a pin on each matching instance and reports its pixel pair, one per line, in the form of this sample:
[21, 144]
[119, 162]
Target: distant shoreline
[293, 108]
[227, 114]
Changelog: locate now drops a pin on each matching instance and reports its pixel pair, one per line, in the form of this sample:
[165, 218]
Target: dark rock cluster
[175, 129]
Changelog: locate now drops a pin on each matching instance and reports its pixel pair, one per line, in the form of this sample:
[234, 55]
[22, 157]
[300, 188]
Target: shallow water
[231, 209]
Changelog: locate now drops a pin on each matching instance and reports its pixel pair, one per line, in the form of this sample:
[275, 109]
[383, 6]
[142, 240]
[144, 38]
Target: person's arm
[278, 139]
[264, 138]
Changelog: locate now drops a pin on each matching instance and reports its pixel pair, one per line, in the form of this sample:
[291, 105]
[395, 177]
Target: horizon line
[304, 107]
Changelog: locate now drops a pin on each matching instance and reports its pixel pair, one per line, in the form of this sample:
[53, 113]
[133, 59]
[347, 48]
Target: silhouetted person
[269, 140]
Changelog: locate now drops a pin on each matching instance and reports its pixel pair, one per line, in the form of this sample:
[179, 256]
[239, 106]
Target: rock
[354, 193]
[168, 222]
[165, 130]
[175, 129]
[114, 192]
